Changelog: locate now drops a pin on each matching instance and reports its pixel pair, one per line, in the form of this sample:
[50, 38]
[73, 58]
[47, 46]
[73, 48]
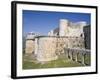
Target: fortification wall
[30, 47]
[46, 48]
[49, 48]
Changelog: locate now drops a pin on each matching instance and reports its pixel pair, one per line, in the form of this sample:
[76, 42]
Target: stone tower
[45, 48]
[63, 27]
[30, 43]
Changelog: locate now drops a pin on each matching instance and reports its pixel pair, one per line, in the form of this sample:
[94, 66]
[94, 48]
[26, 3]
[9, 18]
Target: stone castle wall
[30, 46]
[67, 28]
[48, 48]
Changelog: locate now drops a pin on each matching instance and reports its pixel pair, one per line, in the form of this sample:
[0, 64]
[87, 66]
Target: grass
[63, 62]
[87, 60]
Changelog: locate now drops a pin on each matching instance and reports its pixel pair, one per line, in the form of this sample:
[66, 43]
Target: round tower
[63, 27]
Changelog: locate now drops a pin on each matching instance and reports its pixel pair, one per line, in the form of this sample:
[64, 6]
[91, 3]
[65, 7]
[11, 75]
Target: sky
[43, 21]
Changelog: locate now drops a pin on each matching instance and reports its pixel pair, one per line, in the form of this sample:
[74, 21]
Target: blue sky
[44, 21]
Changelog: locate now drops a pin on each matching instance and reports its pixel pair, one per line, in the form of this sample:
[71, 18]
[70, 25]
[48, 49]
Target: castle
[47, 48]
[67, 28]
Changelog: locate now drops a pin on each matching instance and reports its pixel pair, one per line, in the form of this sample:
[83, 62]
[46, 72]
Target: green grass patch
[27, 64]
[88, 60]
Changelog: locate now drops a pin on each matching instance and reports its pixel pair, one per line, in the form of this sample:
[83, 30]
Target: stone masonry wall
[48, 48]
[30, 46]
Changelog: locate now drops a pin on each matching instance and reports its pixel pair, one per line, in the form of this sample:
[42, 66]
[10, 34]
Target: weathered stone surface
[49, 48]
[46, 48]
[30, 47]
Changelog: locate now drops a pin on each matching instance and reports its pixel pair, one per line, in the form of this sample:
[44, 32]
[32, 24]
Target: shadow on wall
[87, 36]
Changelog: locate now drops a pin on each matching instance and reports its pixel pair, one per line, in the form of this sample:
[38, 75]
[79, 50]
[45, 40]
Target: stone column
[76, 56]
[70, 54]
[83, 60]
